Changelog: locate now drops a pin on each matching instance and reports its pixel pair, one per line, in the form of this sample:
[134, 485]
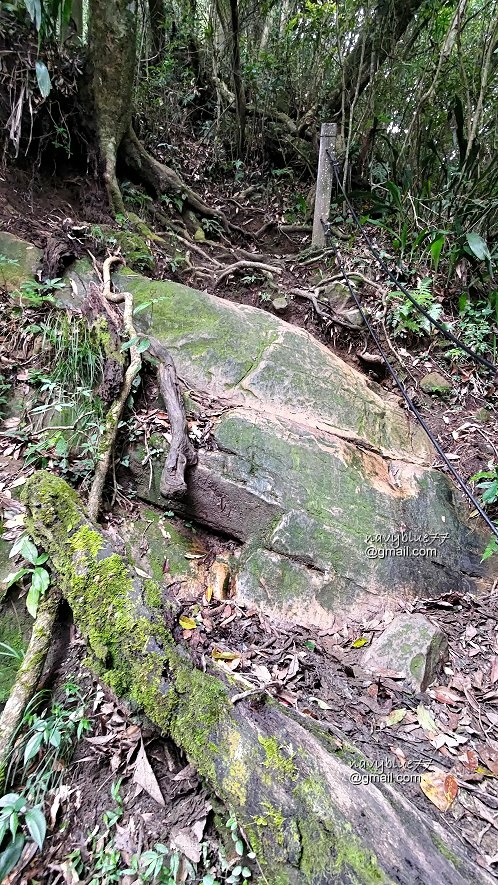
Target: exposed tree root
[28, 676]
[115, 411]
[110, 178]
[242, 265]
[324, 315]
[181, 452]
[195, 248]
[163, 180]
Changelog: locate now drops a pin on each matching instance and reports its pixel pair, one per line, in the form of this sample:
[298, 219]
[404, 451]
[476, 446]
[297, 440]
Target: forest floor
[105, 807]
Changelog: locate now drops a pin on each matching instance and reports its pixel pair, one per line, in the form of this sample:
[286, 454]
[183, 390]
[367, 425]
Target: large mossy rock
[320, 473]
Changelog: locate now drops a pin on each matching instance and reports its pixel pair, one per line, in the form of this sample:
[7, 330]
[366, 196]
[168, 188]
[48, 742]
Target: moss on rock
[132, 245]
[18, 261]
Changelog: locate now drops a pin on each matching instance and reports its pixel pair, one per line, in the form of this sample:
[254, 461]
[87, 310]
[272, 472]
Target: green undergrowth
[13, 644]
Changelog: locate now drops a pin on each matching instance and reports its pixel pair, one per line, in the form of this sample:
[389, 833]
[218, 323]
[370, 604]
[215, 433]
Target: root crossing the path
[182, 453]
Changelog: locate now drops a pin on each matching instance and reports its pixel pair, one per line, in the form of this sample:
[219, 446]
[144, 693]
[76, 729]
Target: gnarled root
[114, 414]
[111, 181]
[181, 453]
[163, 180]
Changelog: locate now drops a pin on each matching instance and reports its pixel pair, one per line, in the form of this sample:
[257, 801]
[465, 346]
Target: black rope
[411, 405]
[447, 334]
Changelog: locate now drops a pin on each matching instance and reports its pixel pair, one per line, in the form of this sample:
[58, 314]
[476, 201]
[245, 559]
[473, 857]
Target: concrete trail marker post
[328, 134]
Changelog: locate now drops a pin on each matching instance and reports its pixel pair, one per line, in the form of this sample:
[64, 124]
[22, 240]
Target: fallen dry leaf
[489, 756]
[445, 695]
[188, 842]
[321, 704]
[218, 654]
[426, 719]
[262, 673]
[145, 777]
[400, 756]
[470, 759]
[440, 788]
[493, 676]
[395, 716]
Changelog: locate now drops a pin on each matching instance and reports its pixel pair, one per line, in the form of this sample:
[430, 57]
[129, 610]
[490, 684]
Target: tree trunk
[240, 95]
[28, 676]
[157, 27]
[112, 38]
[112, 41]
[300, 794]
[375, 43]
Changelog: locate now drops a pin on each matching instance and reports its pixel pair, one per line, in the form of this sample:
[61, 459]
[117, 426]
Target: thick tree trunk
[112, 37]
[112, 40]
[310, 819]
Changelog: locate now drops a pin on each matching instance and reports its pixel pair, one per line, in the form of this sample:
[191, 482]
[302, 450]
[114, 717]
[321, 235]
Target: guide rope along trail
[411, 405]
[440, 326]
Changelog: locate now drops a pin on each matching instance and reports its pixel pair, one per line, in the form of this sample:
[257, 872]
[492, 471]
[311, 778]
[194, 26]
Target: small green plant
[239, 871]
[211, 225]
[487, 484]
[4, 391]
[173, 202]
[18, 820]
[68, 394]
[475, 325]
[239, 171]
[8, 262]
[5, 263]
[106, 858]
[249, 279]
[36, 294]
[62, 139]
[8, 651]
[177, 262]
[156, 865]
[404, 316]
[298, 210]
[135, 197]
[39, 576]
